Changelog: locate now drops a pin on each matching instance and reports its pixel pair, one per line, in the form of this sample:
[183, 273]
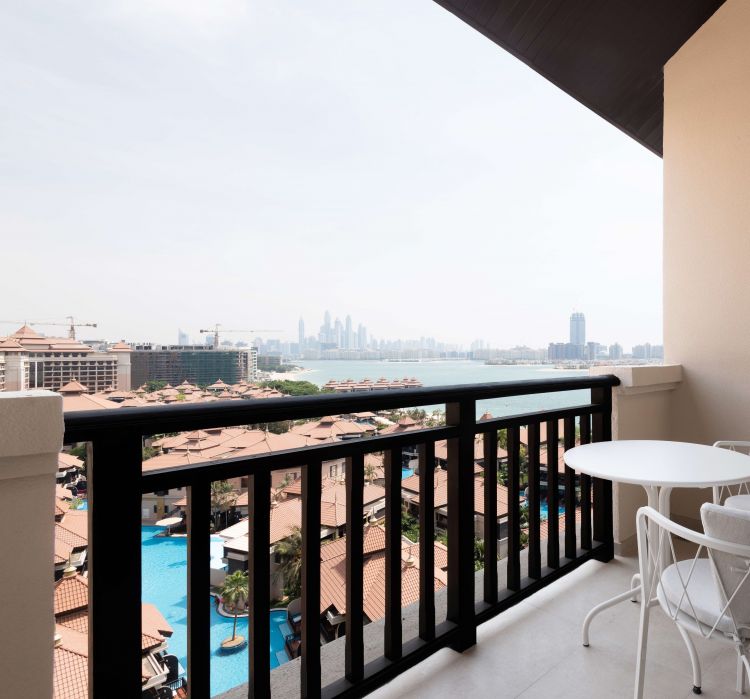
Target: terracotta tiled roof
[71, 675]
[405, 424]
[441, 449]
[333, 573]
[74, 401]
[11, 345]
[71, 656]
[66, 461]
[65, 541]
[73, 387]
[411, 486]
[332, 427]
[71, 594]
[78, 621]
[284, 516]
[524, 432]
[26, 331]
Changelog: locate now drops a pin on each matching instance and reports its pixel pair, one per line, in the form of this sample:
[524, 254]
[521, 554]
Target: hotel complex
[31, 360]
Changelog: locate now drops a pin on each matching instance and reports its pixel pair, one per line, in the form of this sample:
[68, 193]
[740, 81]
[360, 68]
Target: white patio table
[658, 466]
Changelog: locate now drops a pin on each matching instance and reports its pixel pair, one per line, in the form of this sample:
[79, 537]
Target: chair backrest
[722, 492]
[730, 571]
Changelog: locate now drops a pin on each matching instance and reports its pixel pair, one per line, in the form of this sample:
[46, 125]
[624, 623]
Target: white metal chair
[737, 496]
[707, 595]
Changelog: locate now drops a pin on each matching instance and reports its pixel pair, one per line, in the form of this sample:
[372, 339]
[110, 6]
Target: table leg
[635, 584]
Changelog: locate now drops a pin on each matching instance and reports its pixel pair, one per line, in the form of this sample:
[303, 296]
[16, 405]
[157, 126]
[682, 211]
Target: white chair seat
[738, 502]
[702, 593]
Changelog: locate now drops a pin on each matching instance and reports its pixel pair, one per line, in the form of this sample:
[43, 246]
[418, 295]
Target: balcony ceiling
[607, 54]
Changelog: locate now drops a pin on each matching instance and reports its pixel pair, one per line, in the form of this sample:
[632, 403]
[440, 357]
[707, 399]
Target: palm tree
[370, 472]
[289, 551]
[234, 592]
[223, 496]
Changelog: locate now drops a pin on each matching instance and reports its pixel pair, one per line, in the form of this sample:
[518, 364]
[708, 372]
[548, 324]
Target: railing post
[603, 512]
[461, 523]
[198, 581]
[114, 486]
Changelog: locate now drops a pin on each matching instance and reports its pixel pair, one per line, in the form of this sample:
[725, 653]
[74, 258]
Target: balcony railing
[116, 484]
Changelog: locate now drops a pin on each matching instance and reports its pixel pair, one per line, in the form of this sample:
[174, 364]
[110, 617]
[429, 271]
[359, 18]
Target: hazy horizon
[172, 164]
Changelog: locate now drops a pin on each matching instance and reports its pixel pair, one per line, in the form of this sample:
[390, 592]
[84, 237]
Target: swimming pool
[406, 472]
[164, 583]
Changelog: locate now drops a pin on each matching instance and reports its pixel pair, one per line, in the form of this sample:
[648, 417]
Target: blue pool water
[544, 507]
[406, 472]
[164, 584]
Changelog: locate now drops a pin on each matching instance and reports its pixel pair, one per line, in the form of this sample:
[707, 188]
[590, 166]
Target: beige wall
[641, 409]
[707, 232]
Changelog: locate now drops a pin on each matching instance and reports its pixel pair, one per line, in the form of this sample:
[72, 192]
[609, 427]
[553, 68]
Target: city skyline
[212, 200]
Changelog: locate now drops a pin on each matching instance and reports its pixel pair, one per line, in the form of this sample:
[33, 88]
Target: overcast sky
[177, 163]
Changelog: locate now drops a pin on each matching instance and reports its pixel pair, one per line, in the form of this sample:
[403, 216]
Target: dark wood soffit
[607, 54]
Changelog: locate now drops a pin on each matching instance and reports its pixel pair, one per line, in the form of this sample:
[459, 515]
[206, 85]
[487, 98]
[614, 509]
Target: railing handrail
[117, 481]
[157, 419]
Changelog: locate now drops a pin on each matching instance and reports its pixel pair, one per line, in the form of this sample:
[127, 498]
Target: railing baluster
[113, 480]
[461, 522]
[426, 539]
[490, 517]
[355, 482]
[585, 481]
[514, 509]
[603, 513]
[310, 670]
[119, 485]
[259, 582]
[569, 441]
[198, 585]
[535, 550]
[553, 519]
[393, 640]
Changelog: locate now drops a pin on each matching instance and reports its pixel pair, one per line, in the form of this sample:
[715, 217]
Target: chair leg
[635, 587]
[694, 659]
[640, 667]
[743, 671]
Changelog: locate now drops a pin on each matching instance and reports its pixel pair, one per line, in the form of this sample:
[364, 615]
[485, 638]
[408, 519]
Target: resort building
[71, 537]
[31, 360]
[199, 364]
[286, 514]
[365, 385]
[410, 496]
[71, 644]
[333, 579]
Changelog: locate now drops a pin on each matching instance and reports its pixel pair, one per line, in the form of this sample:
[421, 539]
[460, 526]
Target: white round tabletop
[659, 463]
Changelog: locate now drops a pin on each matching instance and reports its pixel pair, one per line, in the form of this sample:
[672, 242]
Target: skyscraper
[182, 337]
[349, 334]
[338, 331]
[301, 328]
[577, 329]
[362, 337]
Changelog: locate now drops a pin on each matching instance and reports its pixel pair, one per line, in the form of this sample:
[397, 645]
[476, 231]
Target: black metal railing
[116, 485]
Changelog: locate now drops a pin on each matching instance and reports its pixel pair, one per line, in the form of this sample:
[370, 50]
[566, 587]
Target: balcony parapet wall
[641, 409]
[31, 432]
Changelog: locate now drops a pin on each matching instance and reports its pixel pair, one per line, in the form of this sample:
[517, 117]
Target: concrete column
[641, 408]
[31, 432]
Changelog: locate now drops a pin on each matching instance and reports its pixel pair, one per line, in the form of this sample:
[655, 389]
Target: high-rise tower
[577, 329]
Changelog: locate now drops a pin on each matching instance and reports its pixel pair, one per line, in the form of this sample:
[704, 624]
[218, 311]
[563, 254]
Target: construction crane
[215, 332]
[71, 325]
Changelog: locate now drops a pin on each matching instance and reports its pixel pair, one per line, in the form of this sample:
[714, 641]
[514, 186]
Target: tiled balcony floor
[534, 650]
